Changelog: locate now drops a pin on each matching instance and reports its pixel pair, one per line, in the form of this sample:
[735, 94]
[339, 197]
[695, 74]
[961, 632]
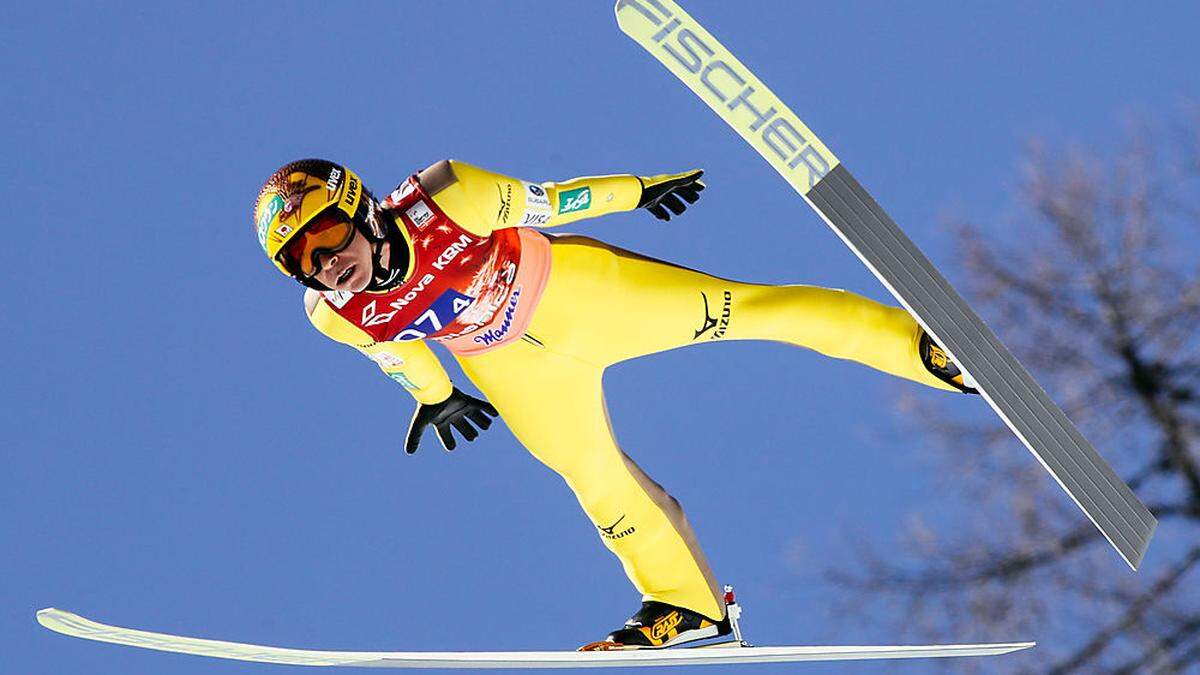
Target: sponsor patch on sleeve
[579, 199]
[403, 380]
[386, 359]
[537, 205]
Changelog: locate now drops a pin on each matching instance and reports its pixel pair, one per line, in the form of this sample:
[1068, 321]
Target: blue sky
[184, 453]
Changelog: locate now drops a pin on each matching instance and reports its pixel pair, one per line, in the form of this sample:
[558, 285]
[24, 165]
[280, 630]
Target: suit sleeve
[411, 363]
[483, 201]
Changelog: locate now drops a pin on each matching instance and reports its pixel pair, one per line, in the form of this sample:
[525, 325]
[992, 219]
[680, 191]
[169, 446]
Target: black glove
[660, 193]
[455, 412]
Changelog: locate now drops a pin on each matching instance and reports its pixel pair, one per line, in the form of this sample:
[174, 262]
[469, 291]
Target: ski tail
[715, 75]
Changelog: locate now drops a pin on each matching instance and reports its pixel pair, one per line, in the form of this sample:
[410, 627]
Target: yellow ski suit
[547, 386]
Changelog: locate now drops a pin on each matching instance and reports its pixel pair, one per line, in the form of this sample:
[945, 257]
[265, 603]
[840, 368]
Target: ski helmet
[313, 205]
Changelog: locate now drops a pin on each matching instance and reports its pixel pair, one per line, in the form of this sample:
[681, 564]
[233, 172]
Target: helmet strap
[382, 277]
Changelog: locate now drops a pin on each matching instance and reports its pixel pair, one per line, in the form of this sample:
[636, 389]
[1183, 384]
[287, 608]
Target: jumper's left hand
[670, 191]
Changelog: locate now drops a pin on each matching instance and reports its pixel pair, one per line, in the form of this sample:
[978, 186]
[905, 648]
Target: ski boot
[938, 362]
[658, 625]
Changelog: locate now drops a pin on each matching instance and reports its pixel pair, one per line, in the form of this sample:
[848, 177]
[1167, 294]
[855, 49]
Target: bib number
[440, 314]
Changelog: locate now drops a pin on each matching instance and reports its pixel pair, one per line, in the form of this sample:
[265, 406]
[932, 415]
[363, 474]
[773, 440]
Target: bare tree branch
[1137, 608]
[1097, 290]
[1186, 632]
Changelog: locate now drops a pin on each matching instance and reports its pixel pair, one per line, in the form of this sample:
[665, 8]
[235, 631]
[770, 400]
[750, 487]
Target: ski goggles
[329, 233]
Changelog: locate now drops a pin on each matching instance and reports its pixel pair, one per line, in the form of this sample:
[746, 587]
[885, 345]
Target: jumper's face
[349, 269]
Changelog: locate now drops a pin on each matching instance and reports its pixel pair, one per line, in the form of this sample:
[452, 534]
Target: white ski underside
[76, 626]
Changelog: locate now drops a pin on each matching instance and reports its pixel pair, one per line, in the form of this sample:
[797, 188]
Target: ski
[76, 626]
[673, 37]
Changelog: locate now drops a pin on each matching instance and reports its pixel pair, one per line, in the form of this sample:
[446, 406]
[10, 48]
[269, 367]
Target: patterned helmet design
[295, 195]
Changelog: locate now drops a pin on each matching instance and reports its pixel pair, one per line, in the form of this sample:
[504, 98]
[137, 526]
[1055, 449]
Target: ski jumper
[510, 302]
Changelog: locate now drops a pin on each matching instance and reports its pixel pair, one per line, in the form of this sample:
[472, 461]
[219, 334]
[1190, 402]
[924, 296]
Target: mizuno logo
[710, 322]
[610, 532]
[505, 203]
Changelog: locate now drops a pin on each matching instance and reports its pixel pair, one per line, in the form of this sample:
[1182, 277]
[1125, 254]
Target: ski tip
[618, 5]
[59, 620]
[46, 616]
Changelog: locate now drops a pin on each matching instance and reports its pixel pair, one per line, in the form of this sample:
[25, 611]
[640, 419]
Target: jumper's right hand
[670, 191]
[459, 410]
